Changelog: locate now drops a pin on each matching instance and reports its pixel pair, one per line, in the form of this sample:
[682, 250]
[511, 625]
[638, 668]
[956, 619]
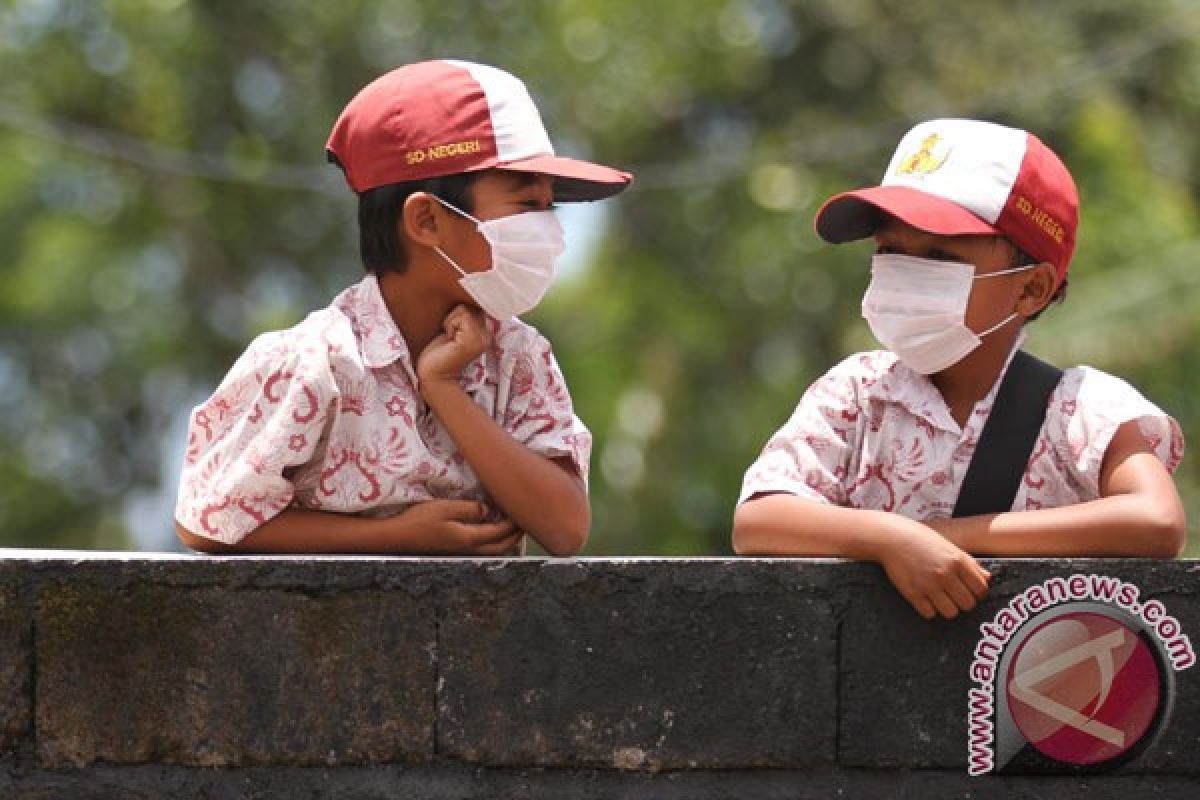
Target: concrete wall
[124, 675]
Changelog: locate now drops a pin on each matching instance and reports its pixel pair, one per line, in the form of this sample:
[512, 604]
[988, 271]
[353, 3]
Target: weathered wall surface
[131, 676]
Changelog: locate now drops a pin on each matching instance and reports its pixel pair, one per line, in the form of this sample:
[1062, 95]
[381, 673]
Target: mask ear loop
[1009, 271]
[1011, 316]
[456, 209]
[459, 211]
[450, 261]
[998, 325]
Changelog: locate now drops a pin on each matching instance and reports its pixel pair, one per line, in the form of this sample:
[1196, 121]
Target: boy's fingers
[960, 593]
[501, 547]
[468, 314]
[922, 605]
[459, 318]
[976, 580]
[513, 543]
[945, 605]
[482, 532]
[464, 509]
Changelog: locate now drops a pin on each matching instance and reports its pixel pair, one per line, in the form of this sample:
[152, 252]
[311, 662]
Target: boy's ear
[420, 221]
[1038, 289]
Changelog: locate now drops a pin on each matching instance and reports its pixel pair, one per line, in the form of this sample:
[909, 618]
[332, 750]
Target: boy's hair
[380, 242]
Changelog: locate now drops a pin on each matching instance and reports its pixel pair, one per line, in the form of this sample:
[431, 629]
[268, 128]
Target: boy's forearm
[932, 574]
[783, 524]
[303, 531]
[1121, 525]
[546, 500]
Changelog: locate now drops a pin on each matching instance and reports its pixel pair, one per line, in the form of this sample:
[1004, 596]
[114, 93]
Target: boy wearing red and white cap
[415, 414]
[974, 226]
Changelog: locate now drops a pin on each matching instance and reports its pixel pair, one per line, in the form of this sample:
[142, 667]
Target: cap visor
[855, 215]
[574, 180]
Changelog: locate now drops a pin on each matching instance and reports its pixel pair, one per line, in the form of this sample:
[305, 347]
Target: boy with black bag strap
[952, 441]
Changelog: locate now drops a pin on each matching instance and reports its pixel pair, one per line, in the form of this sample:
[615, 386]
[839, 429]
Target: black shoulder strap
[1002, 453]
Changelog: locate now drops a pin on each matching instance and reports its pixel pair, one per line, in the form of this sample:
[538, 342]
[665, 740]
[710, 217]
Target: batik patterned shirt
[327, 416]
[874, 434]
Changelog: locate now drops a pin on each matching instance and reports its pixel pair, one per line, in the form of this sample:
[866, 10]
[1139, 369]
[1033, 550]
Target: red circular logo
[1083, 688]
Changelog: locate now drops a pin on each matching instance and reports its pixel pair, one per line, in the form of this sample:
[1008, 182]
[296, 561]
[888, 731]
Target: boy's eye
[933, 254]
[943, 255]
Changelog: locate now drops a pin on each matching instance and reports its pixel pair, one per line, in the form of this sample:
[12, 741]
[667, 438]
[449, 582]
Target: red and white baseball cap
[960, 176]
[447, 117]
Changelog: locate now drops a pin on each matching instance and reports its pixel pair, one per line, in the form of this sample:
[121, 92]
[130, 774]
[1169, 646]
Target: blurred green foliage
[164, 197]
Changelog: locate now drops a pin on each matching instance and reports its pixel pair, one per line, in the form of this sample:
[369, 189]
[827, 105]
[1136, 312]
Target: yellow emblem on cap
[925, 160]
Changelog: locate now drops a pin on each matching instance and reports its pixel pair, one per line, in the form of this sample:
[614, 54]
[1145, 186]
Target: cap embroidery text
[1041, 218]
[440, 151]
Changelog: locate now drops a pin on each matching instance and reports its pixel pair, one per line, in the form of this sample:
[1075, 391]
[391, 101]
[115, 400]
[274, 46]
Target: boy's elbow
[568, 547]
[1164, 532]
[571, 534]
[573, 541]
[200, 544]
[746, 525]
[741, 543]
[1170, 536]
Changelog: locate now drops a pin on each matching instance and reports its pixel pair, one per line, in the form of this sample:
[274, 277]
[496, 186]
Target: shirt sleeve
[810, 456]
[266, 417]
[1092, 405]
[539, 413]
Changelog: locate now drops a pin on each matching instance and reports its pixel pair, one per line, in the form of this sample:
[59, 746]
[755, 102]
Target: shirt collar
[380, 340]
[917, 394]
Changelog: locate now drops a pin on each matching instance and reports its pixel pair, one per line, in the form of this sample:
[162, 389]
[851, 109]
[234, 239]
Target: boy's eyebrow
[521, 180]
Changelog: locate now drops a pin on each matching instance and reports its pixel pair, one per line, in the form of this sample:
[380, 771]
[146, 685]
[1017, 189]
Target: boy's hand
[932, 574]
[460, 527]
[464, 336]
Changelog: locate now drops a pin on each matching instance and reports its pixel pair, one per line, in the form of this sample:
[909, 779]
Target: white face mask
[916, 308]
[524, 248]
